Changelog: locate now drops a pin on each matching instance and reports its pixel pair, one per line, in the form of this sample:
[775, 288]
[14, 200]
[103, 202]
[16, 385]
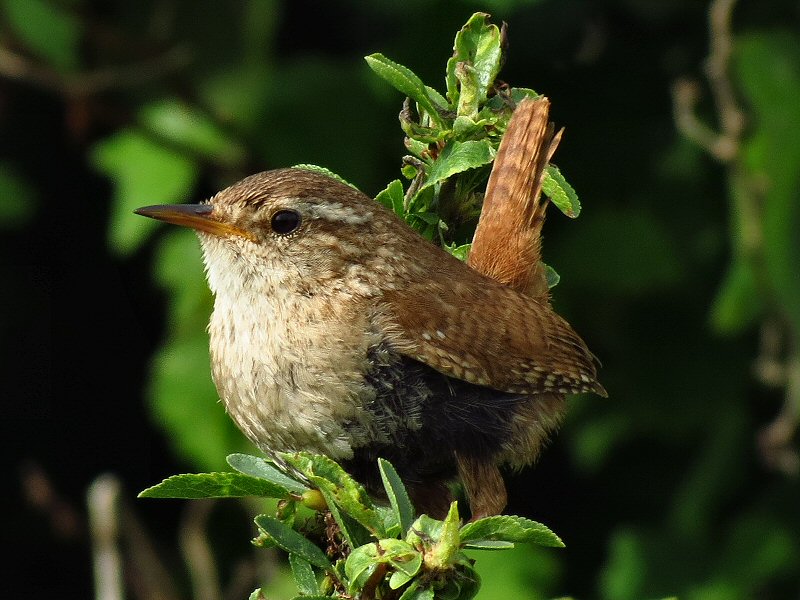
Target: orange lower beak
[195, 216]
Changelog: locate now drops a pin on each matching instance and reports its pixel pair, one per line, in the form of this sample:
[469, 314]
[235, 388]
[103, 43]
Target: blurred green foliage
[681, 273]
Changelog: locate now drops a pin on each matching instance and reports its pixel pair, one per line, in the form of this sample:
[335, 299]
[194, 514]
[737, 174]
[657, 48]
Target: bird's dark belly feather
[427, 417]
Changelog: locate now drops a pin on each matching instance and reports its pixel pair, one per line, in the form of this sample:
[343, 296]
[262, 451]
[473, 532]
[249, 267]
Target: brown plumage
[337, 329]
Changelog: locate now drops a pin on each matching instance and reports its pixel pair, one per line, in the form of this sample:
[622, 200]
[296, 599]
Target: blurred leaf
[618, 252]
[214, 485]
[762, 549]
[405, 81]
[292, 542]
[768, 67]
[560, 192]
[529, 572]
[739, 301]
[397, 494]
[18, 200]
[144, 172]
[47, 29]
[238, 94]
[255, 466]
[626, 570]
[458, 157]
[185, 126]
[510, 528]
[594, 440]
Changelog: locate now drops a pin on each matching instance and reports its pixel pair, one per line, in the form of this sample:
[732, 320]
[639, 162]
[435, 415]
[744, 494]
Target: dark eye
[285, 221]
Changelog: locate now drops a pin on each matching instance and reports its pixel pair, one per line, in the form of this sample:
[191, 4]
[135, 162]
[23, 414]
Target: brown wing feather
[470, 327]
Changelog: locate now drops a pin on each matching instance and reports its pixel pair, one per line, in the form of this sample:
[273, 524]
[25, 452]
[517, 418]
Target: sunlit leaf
[393, 197]
[405, 81]
[255, 466]
[560, 192]
[477, 44]
[303, 575]
[397, 494]
[214, 485]
[292, 542]
[339, 486]
[509, 528]
[144, 172]
[458, 157]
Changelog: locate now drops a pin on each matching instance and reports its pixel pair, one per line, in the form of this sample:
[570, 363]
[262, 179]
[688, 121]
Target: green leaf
[393, 197]
[405, 81]
[551, 276]
[185, 126]
[144, 172]
[490, 545]
[292, 542]
[255, 466]
[643, 258]
[324, 171]
[509, 528]
[353, 532]
[47, 29]
[458, 157]
[738, 302]
[341, 488]
[415, 592]
[477, 50]
[448, 541]
[400, 555]
[303, 575]
[768, 73]
[397, 494]
[214, 485]
[560, 192]
[460, 252]
[257, 594]
[19, 200]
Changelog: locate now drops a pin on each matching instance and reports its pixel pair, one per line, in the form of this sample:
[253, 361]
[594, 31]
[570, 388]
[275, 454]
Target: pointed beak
[196, 216]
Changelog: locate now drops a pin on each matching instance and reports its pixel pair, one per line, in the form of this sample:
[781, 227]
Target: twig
[103, 504]
[197, 551]
[20, 68]
[723, 145]
[775, 439]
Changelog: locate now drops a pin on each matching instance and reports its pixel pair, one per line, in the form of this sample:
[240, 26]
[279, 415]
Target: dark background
[665, 488]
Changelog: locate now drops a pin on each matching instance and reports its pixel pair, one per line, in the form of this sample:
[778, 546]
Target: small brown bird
[337, 329]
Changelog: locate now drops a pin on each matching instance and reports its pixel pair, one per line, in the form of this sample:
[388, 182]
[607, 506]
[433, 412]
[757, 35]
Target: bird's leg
[432, 498]
[484, 485]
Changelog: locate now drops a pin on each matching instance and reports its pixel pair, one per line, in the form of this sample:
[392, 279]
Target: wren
[339, 330]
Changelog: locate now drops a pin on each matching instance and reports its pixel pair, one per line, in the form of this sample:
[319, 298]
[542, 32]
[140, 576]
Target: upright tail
[507, 242]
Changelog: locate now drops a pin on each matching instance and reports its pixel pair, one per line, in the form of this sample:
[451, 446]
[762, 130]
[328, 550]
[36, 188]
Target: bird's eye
[285, 221]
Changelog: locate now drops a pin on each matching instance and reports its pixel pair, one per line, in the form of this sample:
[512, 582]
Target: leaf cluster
[453, 138]
[350, 546]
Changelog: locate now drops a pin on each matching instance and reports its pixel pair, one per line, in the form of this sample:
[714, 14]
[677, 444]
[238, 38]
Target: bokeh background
[682, 273]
